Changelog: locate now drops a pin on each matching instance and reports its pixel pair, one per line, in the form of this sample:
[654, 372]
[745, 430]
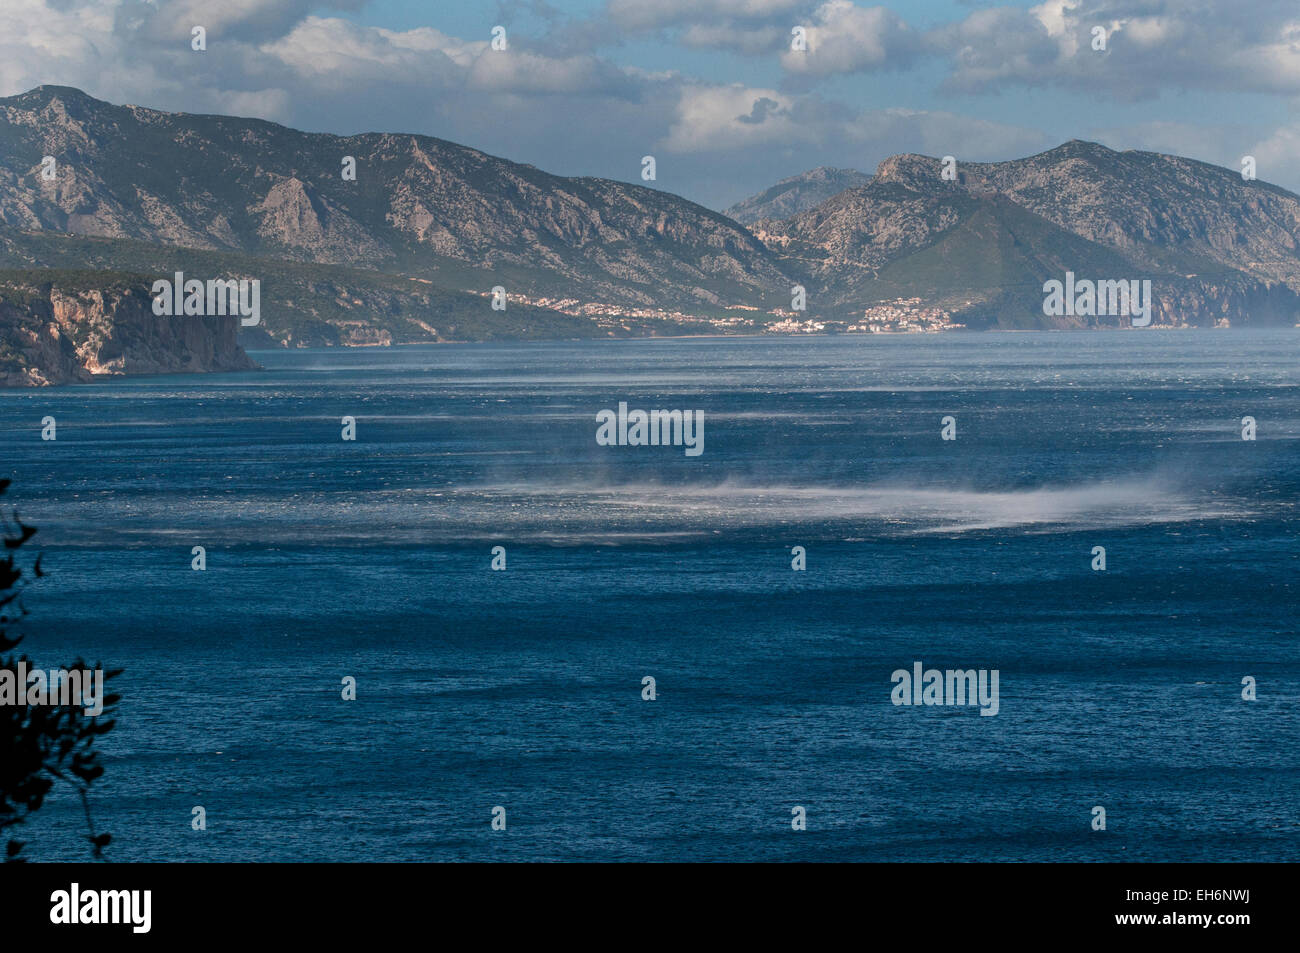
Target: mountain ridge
[586, 256]
[1202, 234]
[417, 202]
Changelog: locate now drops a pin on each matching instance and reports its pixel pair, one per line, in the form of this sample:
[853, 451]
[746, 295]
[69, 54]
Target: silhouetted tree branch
[41, 744]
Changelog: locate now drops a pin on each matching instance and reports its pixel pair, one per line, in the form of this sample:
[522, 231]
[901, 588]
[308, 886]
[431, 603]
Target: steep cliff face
[58, 335]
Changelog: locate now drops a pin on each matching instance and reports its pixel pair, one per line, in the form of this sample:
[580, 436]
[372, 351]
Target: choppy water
[523, 688]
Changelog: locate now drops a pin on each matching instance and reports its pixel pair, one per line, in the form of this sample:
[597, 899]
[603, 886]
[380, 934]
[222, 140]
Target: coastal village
[899, 316]
[902, 315]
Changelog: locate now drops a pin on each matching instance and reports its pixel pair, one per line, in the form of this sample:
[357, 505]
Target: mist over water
[370, 558]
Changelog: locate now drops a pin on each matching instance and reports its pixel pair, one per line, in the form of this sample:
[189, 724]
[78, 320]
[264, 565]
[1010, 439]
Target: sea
[509, 714]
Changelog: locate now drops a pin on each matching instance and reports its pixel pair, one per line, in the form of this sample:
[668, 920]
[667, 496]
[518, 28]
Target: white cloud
[1275, 156]
[1151, 46]
[338, 52]
[643, 15]
[844, 38]
[247, 20]
[48, 43]
[523, 72]
[728, 119]
[580, 113]
[722, 118]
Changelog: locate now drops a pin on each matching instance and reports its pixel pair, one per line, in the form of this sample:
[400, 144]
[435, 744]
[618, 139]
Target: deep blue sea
[523, 688]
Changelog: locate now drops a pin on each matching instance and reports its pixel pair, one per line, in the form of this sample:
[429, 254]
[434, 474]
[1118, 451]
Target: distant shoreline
[770, 335]
[253, 352]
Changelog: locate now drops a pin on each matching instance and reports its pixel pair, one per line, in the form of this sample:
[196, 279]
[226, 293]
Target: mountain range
[417, 206]
[1214, 245]
[411, 246]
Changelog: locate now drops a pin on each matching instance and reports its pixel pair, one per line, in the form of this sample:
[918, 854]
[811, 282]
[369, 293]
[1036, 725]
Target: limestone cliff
[59, 332]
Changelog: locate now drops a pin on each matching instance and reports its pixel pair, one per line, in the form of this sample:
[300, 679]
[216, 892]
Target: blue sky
[709, 87]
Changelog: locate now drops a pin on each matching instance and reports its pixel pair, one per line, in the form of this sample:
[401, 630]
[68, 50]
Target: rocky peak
[797, 194]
